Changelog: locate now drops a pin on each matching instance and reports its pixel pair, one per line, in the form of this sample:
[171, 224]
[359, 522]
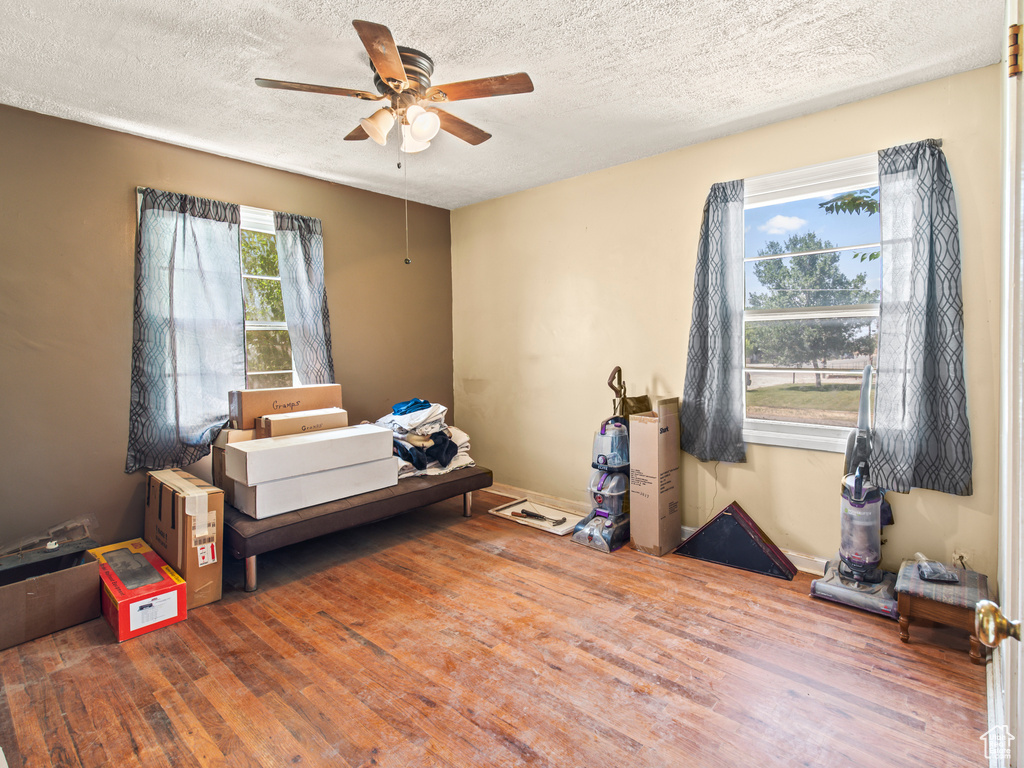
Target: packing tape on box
[204, 520]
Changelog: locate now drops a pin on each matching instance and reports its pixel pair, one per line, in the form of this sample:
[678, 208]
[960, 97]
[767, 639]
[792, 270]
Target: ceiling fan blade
[357, 134]
[456, 126]
[331, 90]
[380, 45]
[501, 85]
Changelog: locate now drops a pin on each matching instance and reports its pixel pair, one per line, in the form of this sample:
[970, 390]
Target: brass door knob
[991, 626]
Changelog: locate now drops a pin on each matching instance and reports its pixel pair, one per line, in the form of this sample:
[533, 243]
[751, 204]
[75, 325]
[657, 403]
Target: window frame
[859, 172]
[260, 220]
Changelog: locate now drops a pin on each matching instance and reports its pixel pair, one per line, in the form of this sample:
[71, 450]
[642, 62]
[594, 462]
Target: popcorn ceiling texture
[615, 81]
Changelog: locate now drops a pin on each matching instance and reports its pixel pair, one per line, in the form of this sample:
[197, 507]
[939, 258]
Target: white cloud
[780, 225]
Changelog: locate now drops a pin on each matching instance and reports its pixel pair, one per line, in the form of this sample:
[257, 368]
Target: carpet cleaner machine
[606, 528]
[855, 578]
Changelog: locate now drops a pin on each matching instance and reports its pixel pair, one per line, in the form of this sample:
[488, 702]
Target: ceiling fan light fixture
[410, 145]
[378, 125]
[423, 125]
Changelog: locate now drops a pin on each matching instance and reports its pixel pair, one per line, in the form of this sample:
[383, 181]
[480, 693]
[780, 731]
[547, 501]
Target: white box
[275, 458]
[280, 496]
[655, 520]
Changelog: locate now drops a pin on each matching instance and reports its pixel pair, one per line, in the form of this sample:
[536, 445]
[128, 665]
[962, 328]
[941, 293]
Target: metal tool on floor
[537, 516]
[855, 578]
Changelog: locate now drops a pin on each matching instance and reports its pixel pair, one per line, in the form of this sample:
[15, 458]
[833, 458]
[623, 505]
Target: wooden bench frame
[246, 537]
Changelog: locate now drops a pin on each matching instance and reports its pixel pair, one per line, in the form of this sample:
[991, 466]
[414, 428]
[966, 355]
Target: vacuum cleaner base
[877, 598]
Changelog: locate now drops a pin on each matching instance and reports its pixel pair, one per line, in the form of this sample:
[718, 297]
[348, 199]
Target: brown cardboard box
[44, 603]
[244, 405]
[300, 422]
[185, 526]
[655, 520]
[224, 437]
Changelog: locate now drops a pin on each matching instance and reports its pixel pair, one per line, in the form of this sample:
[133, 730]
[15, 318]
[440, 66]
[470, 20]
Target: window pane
[267, 380]
[263, 302]
[796, 397]
[259, 254]
[828, 344]
[268, 351]
[812, 224]
[835, 278]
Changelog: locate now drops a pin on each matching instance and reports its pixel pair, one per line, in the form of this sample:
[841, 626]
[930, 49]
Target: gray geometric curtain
[300, 251]
[188, 347]
[711, 415]
[922, 438]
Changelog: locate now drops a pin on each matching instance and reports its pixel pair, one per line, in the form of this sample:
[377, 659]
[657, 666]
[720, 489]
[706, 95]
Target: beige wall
[67, 233]
[556, 285]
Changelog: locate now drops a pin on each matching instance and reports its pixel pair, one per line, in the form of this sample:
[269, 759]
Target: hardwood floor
[436, 640]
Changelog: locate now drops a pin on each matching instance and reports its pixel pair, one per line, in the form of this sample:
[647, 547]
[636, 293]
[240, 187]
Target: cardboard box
[276, 458]
[655, 519]
[300, 422]
[221, 480]
[244, 405]
[140, 591]
[280, 496]
[185, 526]
[41, 596]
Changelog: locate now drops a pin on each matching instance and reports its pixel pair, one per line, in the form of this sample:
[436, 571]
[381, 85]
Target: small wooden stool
[949, 604]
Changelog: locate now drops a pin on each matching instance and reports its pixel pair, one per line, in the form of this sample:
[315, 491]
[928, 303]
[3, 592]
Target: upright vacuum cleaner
[855, 578]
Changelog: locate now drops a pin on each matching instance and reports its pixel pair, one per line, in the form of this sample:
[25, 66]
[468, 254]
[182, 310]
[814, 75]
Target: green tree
[266, 349]
[806, 280]
[858, 201]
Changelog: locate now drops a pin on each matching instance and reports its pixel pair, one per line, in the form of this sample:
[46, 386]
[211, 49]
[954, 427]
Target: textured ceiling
[615, 81]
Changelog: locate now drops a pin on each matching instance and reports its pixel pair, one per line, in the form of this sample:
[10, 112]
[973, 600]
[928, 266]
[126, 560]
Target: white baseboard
[807, 563]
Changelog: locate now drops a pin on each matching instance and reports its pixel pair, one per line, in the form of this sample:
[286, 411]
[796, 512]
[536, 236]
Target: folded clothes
[425, 421]
[409, 406]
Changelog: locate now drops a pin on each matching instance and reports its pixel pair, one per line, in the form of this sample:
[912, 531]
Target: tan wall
[556, 285]
[67, 233]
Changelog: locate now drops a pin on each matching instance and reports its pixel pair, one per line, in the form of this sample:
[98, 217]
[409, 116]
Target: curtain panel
[300, 252]
[711, 415]
[921, 438]
[188, 342]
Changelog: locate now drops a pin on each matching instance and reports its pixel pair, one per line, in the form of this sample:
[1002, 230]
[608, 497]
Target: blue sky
[778, 222]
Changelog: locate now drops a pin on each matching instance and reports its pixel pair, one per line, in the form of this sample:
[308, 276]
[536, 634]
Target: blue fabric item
[711, 414]
[188, 343]
[415, 456]
[300, 253]
[409, 406]
[443, 450]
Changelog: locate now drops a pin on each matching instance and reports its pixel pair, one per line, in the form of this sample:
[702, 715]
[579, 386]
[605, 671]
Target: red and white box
[140, 591]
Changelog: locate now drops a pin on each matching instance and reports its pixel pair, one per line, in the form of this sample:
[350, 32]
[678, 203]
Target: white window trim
[851, 173]
[262, 220]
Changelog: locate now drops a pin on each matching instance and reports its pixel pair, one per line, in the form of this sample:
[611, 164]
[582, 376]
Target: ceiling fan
[402, 77]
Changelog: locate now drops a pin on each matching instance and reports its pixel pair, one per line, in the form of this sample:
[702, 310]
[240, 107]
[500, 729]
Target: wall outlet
[962, 558]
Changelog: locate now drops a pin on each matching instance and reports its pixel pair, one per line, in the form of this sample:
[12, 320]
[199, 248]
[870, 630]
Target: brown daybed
[246, 537]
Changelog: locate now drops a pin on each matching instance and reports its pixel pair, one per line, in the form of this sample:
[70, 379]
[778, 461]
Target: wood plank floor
[436, 640]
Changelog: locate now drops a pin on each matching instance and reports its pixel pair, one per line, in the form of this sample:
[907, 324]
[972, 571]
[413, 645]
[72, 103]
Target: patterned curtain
[188, 343]
[300, 251]
[711, 416]
[922, 438]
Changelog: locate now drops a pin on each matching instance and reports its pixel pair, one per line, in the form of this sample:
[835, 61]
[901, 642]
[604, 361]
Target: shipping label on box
[300, 422]
[245, 405]
[655, 517]
[277, 458]
[140, 591]
[185, 526]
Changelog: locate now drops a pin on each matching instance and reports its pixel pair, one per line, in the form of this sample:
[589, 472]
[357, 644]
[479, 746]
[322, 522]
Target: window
[268, 347]
[812, 277]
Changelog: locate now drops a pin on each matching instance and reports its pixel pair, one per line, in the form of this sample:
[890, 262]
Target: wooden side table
[949, 604]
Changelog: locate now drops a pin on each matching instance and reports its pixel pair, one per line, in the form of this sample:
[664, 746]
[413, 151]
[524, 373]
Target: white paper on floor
[571, 518]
